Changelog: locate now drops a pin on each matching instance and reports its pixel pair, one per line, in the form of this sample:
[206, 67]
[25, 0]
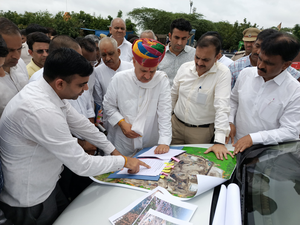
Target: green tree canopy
[68, 26]
[296, 31]
[159, 20]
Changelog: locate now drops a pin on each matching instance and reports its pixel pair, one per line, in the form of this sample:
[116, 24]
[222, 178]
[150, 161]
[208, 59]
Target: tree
[296, 31]
[202, 27]
[159, 20]
[120, 14]
[68, 27]
[227, 32]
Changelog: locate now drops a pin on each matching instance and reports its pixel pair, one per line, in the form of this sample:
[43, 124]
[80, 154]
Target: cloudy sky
[265, 13]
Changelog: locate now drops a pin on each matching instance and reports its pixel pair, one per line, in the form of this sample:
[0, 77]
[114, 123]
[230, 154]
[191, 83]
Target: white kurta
[83, 105]
[124, 98]
[126, 51]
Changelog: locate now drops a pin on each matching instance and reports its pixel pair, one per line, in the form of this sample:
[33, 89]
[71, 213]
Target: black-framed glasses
[41, 51]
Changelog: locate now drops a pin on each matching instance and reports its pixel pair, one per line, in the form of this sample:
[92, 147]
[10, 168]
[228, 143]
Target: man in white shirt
[265, 101]
[177, 52]
[138, 102]
[200, 99]
[110, 55]
[222, 58]
[16, 76]
[117, 29]
[36, 141]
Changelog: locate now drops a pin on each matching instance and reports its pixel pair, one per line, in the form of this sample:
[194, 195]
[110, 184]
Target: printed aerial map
[182, 180]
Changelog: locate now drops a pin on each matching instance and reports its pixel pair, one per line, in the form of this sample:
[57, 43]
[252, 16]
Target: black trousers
[41, 214]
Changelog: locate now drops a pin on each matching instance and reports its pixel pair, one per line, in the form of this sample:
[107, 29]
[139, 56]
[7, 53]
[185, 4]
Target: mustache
[262, 69]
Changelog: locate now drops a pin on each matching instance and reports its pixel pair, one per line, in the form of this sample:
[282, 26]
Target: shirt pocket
[271, 110]
[201, 96]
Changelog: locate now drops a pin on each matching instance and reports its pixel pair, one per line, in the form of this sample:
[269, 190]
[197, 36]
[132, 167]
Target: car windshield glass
[272, 186]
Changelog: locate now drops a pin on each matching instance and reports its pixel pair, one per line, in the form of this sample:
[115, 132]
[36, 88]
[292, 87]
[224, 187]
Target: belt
[191, 125]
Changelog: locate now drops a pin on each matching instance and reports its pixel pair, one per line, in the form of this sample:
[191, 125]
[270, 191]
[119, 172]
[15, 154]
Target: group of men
[150, 94]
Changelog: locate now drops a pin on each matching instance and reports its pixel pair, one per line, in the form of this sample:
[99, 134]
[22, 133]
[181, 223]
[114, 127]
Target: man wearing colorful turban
[138, 102]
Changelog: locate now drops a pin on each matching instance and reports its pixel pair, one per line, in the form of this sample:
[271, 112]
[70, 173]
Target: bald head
[109, 40]
[118, 30]
[64, 41]
[117, 20]
[110, 53]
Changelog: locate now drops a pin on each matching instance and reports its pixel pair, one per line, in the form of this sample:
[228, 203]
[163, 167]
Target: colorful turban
[148, 52]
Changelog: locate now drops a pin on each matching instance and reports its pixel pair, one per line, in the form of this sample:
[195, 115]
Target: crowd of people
[55, 89]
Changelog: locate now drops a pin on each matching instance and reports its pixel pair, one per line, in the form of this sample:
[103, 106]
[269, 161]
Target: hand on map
[242, 144]
[126, 129]
[220, 151]
[231, 134]
[161, 149]
[134, 164]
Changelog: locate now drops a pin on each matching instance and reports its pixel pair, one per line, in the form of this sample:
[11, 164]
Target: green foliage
[296, 31]
[202, 27]
[227, 32]
[232, 33]
[70, 26]
[120, 14]
[159, 20]
[146, 18]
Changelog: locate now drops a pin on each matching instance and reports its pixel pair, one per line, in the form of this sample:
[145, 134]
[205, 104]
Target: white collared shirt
[37, 75]
[12, 83]
[171, 63]
[268, 111]
[126, 51]
[203, 99]
[36, 140]
[225, 60]
[91, 83]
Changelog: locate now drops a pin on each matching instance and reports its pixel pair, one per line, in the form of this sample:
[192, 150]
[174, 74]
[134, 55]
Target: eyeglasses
[93, 63]
[41, 51]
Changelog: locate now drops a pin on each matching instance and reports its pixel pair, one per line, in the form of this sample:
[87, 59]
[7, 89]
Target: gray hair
[118, 18]
[93, 37]
[148, 31]
[111, 40]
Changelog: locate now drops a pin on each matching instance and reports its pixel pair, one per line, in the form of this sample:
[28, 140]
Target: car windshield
[272, 186]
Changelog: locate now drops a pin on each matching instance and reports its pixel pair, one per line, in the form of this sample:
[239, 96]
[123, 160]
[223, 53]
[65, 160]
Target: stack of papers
[156, 161]
[168, 155]
[156, 207]
[157, 166]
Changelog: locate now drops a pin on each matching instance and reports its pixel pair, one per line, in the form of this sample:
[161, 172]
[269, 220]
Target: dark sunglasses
[41, 51]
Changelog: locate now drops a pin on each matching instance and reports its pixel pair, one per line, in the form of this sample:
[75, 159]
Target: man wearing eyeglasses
[38, 44]
[16, 76]
[117, 29]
